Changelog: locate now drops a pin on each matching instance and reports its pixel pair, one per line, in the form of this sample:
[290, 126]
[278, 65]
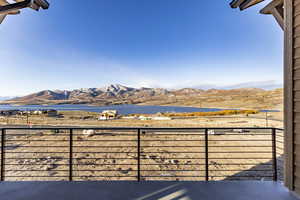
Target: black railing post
[2, 154]
[274, 154]
[206, 156]
[139, 155]
[71, 155]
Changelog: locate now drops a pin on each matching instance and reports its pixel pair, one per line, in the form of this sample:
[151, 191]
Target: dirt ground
[113, 155]
[164, 155]
[79, 118]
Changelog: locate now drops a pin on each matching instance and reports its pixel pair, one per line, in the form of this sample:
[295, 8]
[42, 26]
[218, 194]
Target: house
[52, 113]
[129, 117]
[161, 118]
[144, 118]
[9, 112]
[108, 115]
[286, 13]
[37, 112]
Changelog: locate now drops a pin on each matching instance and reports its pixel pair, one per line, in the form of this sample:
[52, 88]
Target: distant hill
[6, 98]
[253, 98]
[266, 85]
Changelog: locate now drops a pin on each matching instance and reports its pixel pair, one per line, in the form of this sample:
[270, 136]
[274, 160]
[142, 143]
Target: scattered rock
[52, 173]
[51, 167]
[12, 147]
[213, 163]
[174, 161]
[125, 171]
[143, 156]
[88, 133]
[39, 133]
[87, 117]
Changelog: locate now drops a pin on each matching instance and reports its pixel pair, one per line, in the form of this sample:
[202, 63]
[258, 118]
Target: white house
[108, 115]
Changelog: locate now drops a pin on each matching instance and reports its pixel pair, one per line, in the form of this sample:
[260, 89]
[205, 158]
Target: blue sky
[157, 43]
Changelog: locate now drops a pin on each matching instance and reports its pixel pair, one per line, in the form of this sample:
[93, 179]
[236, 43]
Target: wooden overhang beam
[2, 17]
[20, 4]
[4, 2]
[236, 3]
[7, 9]
[244, 4]
[14, 8]
[275, 8]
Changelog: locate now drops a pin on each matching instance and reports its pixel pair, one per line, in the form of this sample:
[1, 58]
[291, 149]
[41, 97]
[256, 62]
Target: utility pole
[266, 118]
[27, 116]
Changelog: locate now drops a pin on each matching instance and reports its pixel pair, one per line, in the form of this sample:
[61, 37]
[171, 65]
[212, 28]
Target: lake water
[122, 109]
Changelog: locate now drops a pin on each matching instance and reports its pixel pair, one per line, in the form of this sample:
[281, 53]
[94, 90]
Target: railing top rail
[135, 128]
[87, 154]
[280, 129]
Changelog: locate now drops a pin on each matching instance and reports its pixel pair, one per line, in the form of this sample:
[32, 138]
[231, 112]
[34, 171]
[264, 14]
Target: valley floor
[165, 155]
[50, 160]
[80, 118]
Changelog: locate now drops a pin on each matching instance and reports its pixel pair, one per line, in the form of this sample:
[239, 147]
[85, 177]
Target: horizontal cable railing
[200, 154]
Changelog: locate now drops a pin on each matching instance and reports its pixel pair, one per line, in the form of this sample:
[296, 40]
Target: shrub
[215, 113]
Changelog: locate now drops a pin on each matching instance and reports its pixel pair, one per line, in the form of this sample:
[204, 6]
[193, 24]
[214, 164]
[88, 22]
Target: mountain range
[6, 98]
[266, 85]
[253, 98]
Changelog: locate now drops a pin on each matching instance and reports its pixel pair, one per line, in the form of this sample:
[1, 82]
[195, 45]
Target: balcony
[142, 154]
[162, 190]
[143, 163]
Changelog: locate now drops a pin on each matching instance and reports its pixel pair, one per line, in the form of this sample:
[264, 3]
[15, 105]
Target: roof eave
[244, 4]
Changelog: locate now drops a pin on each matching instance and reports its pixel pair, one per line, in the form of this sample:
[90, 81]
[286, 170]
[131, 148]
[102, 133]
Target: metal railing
[201, 154]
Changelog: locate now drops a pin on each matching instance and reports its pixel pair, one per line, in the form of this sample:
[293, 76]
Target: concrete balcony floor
[245, 190]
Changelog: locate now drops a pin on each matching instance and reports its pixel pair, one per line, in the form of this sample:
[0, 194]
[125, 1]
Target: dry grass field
[80, 118]
[165, 155]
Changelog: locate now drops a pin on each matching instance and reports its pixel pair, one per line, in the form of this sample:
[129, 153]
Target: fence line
[202, 154]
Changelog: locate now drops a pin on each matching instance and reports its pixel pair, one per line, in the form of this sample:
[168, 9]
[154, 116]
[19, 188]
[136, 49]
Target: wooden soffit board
[275, 8]
[13, 7]
[244, 4]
